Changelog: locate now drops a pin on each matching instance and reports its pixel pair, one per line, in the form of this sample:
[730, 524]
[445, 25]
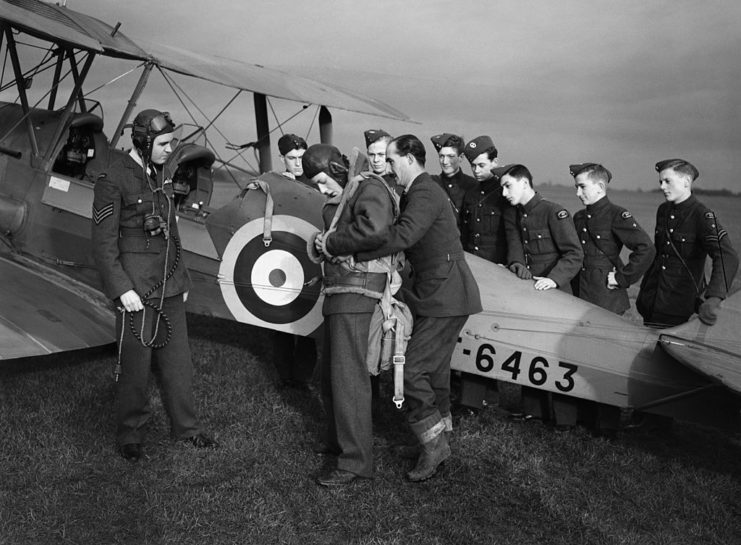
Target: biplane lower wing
[42, 312]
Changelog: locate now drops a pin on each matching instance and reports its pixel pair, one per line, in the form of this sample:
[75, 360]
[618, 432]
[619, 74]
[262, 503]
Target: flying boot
[411, 452]
[434, 448]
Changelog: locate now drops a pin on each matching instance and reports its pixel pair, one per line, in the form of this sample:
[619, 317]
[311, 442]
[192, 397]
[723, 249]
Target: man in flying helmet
[136, 247]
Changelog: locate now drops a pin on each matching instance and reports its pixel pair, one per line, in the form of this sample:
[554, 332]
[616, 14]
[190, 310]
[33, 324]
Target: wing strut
[75, 95]
[325, 125]
[20, 84]
[138, 90]
[263, 132]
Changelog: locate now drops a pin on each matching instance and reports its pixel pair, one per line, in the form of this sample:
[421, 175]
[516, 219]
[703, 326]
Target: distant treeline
[695, 190]
[711, 192]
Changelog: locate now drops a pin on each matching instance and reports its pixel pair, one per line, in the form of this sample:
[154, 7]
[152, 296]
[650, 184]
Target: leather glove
[708, 311]
[521, 271]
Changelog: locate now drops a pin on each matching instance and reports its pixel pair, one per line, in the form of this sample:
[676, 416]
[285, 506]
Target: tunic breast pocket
[139, 203]
[541, 241]
[605, 242]
[687, 245]
[492, 220]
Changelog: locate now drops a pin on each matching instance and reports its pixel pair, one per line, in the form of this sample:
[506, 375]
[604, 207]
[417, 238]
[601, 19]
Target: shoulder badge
[562, 214]
[625, 215]
[709, 215]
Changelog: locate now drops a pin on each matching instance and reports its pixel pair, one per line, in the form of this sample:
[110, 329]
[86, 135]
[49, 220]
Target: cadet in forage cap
[292, 149]
[376, 142]
[452, 179]
[482, 223]
[687, 232]
[604, 228]
[294, 356]
[542, 245]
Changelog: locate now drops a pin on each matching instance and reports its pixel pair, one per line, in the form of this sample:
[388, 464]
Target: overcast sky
[553, 82]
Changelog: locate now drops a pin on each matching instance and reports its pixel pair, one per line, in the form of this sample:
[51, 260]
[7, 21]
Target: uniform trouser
[294, 356]
[347, 392]
[427, 368]
[175, 372]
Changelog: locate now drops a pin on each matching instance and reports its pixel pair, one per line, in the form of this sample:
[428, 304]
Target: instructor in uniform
[137, 249]
[687, 232]
[442, 295]
[604, 228]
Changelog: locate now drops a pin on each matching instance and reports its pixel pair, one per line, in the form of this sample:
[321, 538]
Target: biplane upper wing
[59, 24]
[267, 81]
[42, 312]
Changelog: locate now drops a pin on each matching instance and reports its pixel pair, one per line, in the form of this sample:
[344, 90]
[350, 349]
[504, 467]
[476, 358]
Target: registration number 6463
[538, 370]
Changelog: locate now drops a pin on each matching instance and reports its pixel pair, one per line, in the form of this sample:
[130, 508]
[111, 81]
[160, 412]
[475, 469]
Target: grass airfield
[507, 483]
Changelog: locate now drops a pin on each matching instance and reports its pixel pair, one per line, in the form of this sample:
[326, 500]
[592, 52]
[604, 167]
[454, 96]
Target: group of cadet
[390, 219]
[502, 218]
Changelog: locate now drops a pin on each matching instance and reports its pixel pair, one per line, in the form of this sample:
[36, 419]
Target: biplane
[247, 257]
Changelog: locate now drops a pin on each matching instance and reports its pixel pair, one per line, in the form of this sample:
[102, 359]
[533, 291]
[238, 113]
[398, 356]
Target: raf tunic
[482, 221]
[686, 234]
[346, 386]
[442, 295]
[604, 228]
[541, 235]
[455, 188]
[128, 258]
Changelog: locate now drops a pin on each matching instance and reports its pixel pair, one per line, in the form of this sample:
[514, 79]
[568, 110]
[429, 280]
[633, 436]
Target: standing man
[136, 247]
[604, 228]
[687, 232]
[482, 212]
[292, 149]
[442, 296]
[376, 142]
[294, 356]
[542, 244]
[452, 179]
[354, 220]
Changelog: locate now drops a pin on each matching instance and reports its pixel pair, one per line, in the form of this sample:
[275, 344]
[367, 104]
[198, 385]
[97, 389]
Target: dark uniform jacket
[541, 235]
[455, 187]
[128, 258]
[672, 284]
[363, 223]
[482, 221]
[604, 228]
[442, 283]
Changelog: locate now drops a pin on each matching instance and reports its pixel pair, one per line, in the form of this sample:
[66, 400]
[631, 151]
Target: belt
[131, 232]
[436, 260]
[369, 281]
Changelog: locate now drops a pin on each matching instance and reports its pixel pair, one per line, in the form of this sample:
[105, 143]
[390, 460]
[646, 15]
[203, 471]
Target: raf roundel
[274, 285]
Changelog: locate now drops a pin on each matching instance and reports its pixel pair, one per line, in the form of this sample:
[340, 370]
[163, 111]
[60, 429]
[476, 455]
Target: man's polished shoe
[202, 440]
[131, 451]
[336, 477]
